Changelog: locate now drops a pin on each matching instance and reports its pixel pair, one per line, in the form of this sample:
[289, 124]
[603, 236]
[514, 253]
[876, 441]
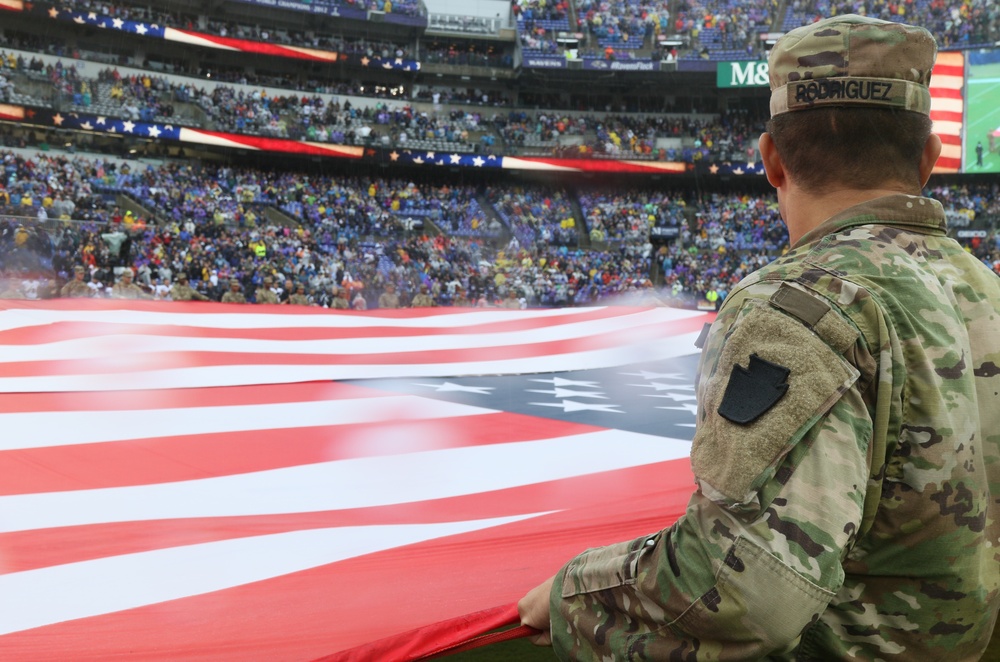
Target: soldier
[300, 298]
[460, 299]
[340, 301]
[126, 289]
[389, 298]
[264, 294]
[76, 288]
[847, 453]
[234, 295]
[181, 291]
[422, 299]
[511, 302]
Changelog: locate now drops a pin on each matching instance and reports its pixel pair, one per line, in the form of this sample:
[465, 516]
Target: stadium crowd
[346, 240]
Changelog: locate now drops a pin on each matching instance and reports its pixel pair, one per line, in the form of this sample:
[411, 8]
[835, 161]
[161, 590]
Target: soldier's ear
[932, 150]
[773, 166]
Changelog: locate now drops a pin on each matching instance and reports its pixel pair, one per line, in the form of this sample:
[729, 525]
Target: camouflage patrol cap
[78, 269]
[234, 281]
[852, 60]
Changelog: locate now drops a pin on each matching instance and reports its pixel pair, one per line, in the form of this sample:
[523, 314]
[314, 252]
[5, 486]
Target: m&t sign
[741, 74]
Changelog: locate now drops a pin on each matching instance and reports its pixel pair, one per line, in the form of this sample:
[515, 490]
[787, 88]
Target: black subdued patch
[753, 390]
[828, 32]
[703, 336]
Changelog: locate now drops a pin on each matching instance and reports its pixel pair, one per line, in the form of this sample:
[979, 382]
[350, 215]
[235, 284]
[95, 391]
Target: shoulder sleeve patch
[753, 390]
[736, 457]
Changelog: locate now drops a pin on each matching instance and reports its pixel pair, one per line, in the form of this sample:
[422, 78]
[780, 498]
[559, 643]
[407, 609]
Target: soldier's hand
[533, 609]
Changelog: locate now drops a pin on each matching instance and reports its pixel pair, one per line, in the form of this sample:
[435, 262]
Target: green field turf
[982, 116]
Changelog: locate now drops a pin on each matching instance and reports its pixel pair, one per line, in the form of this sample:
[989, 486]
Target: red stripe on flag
[183, 398]
[152, 361]
[946, 93]
[193, 457]
[26, 550]
[946, 116]
[259, 47]
[316, 612]
[63, 331]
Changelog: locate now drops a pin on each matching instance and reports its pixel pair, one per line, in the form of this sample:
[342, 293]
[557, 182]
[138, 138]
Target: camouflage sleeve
[780, 457]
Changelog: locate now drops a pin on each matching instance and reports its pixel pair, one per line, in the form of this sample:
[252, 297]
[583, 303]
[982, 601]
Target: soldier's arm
[781, 460]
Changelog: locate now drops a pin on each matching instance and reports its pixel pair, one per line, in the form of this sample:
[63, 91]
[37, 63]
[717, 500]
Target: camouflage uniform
[422, 300]
[128, 290]
[75, 289]
[265, 295]
[388, 300]
[770, 547]
[340, 301]
[184, 292]
[233, 296]
[847, 463]
[299, 300]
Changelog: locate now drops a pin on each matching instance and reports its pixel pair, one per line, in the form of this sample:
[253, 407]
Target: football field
[982, 117]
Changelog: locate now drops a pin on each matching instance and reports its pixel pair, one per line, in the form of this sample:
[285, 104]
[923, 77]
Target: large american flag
[205, 481]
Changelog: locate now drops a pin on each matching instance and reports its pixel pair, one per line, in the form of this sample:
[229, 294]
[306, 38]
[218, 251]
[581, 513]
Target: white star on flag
[559, 381]
[394, 156]
[79, 20]
[365, 61]
[102, 120]
[387, 65]
[118, 23]
[58, 119]
[571, 406]
[645, 374]
[54, 13]
[570, 393]
[128, 126]
[676, 397]
[430, 155]
[140, 29]
[478, 162]
[455, 158]
[691, 408]
[449, 387]
[399, 60]
[154, 131]
[86, 126]
[92, 16]
[418, 160]
[657, 386]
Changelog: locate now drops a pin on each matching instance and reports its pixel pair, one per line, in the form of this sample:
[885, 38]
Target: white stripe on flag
[35, 598]
[353, 483]
[120, 346]
[42, 429]
[237, 375]
[13, 318]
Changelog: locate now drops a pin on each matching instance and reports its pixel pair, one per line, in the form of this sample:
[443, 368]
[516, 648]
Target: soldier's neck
[804, 211]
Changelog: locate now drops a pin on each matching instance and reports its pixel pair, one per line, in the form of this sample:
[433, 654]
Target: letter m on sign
[742, 76]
